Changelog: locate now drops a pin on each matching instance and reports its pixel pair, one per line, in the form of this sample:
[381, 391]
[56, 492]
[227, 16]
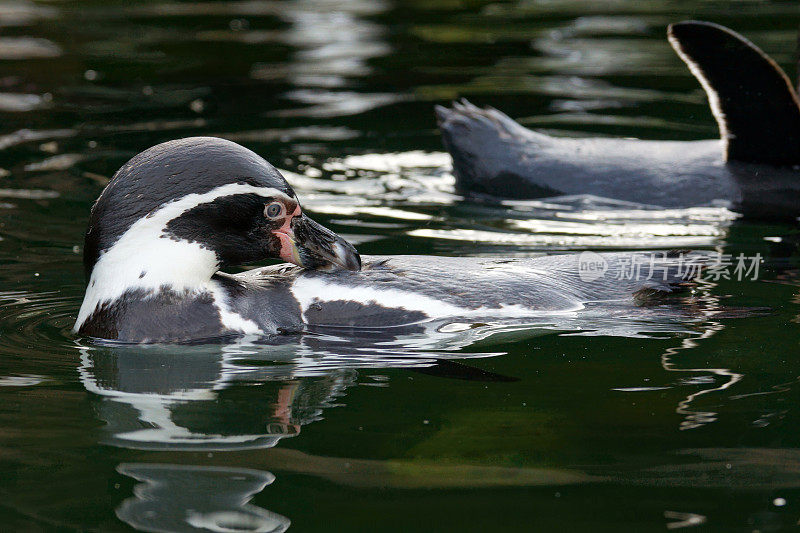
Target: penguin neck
[162, 264]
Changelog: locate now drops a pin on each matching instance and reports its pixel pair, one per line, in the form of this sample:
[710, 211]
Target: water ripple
[28, 48]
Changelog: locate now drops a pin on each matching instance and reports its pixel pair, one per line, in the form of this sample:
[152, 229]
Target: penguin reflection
[156, 399]
[240, 396]
[250, 395]
[194, 498]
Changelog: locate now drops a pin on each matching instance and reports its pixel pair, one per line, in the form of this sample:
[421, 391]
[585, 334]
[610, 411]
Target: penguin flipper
[753, 101]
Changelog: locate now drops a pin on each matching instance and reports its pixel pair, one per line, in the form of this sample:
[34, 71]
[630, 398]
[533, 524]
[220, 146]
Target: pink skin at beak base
[285, 234]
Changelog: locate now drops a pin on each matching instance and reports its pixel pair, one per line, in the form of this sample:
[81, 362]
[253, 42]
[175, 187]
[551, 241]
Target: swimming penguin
[752, 169]
[176, 213]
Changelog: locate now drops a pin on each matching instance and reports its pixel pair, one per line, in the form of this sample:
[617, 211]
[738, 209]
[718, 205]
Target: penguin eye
[273, 210]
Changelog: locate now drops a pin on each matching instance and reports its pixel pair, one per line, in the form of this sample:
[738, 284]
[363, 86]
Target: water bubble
[238, 24]
[197, 105]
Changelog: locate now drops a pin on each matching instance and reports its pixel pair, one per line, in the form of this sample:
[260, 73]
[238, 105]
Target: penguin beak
[311, 245]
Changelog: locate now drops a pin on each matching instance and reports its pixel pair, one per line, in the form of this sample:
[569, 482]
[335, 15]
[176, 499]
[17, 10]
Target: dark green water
[663, 418]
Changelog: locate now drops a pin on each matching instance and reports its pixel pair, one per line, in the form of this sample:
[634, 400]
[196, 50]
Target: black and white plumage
[178, 212]
[751, 169]
[170, 219]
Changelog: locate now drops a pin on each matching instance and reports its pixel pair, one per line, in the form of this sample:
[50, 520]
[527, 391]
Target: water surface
[664, 417]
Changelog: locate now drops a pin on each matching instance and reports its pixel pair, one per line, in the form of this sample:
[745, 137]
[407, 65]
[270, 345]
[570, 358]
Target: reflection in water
[177, 498]
[407, 188]
[294, 395]
[157, 400]
[709, 306]
[23, 13]
[163, 398]
[695, 418]
[27, 48]
[153, 398]
[592, 46]
[184, 399]
[333, 43]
